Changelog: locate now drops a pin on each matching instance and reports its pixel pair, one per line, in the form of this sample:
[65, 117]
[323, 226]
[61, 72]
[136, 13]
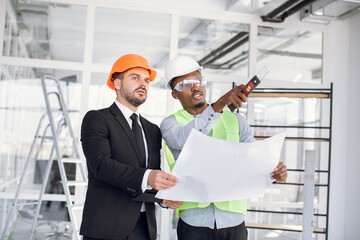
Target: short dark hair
[117, 75]
[172, 82]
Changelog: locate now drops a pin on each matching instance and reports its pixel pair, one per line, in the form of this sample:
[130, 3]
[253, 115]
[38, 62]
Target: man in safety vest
[219, 220]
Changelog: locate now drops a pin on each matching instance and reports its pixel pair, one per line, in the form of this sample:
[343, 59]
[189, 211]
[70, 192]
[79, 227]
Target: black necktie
[139, 138]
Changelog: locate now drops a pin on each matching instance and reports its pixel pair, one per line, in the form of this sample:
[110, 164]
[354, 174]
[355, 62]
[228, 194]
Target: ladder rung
[76, 206]
[75, 183]
[301, 184]
[29, 203]
[44, 137]
[294, 228]
[51, 138]
[72, 160]
[64, 139]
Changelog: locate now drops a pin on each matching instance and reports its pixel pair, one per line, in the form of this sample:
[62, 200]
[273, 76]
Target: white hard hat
[180, 66]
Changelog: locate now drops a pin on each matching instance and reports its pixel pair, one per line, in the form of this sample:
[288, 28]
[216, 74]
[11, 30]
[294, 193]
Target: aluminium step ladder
[63, 122]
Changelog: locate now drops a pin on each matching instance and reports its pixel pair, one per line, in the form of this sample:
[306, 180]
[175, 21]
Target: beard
[131, 98]
[199, 105]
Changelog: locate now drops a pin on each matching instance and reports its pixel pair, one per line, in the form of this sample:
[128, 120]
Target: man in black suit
[122, 151]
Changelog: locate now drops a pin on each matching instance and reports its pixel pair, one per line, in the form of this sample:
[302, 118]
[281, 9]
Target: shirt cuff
[206, 120]
[144, 185]
[163, 205]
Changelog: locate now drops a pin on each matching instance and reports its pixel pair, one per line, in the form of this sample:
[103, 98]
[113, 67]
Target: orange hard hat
[129, 61]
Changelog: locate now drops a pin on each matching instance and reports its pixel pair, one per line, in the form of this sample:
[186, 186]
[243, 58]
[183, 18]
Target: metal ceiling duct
[323, 11]
[226, 48]
[286, 9]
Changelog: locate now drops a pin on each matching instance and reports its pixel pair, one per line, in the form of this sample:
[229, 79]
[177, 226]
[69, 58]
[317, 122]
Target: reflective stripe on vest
[226, 128]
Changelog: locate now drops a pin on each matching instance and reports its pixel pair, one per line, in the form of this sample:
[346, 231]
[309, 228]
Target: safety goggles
[188, 83]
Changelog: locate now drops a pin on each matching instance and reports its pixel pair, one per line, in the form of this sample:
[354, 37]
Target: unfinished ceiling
[57, 31]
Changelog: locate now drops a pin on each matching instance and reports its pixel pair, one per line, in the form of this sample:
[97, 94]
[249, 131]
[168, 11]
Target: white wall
[352, 189]
[342, 67]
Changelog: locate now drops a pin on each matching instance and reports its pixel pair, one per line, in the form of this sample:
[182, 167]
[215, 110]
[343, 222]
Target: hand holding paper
[280, 173]
[213, 170]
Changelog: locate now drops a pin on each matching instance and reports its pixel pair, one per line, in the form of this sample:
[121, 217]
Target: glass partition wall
[78, 43]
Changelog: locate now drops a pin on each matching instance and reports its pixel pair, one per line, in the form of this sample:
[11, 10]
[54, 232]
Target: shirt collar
[125, 110]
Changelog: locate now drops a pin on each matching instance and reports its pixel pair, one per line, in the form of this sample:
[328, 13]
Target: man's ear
[117, 84]
[174, 94]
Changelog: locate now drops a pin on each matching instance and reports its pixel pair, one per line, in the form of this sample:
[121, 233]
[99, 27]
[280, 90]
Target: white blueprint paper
[214, 170]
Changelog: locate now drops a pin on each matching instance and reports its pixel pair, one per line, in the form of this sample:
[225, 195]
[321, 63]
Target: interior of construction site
[55, 60]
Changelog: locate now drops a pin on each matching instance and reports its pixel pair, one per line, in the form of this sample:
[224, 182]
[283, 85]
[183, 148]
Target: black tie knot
[134, 117]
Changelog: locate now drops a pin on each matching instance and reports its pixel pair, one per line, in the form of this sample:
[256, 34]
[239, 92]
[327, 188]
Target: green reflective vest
[226, 128]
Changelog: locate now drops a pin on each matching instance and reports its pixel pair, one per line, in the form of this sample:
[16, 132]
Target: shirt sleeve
[245, 133]
[176, 134]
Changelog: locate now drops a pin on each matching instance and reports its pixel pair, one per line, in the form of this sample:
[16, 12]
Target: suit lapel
[125, 125]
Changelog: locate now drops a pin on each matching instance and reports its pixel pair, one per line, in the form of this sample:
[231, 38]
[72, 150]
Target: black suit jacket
[115, 175]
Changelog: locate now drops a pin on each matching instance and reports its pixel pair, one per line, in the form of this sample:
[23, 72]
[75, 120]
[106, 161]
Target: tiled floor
[53, 225]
